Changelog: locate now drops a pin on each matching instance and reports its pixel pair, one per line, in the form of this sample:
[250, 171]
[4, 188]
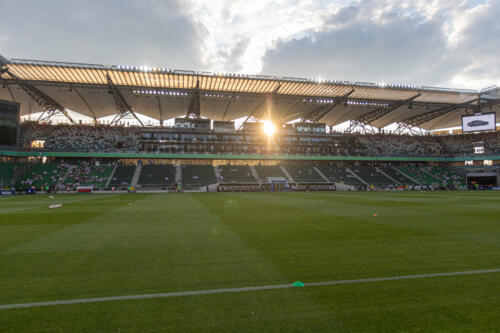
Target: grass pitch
[113, 245]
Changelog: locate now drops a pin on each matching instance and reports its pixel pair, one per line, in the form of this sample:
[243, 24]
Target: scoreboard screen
[9, 124]
[479, 122]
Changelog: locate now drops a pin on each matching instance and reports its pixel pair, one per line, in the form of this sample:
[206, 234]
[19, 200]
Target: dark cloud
[159, 33]
[368, 40]
[391, 47]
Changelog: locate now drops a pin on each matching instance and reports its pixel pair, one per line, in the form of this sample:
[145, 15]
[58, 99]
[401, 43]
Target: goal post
[85, 189]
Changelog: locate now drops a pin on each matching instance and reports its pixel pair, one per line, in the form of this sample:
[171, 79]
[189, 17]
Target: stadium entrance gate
[278, 184]
[483, 180]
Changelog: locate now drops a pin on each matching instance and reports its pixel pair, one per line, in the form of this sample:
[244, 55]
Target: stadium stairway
[69, 172]
[111, 176]
[428, 173]
[123, 176]
[396, 175]
[321, 174]
[416, 172]
[396, 182]
[178, 174]
[285, 172]
[303, 173]
[338, 175]
[217, 173]
[413, 180]
[357, 177]
[255, 174]
[137, 174]
[371, 176]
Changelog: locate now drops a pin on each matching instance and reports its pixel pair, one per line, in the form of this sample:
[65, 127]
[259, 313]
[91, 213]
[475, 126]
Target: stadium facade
[204, 149]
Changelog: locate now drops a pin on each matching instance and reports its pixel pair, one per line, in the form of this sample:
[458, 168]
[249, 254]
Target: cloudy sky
[449, 43]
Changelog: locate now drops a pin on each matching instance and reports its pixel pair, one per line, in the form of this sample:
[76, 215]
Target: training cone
[298, 284]
[375, 214]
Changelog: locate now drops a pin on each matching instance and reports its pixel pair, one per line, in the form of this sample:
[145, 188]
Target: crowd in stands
[42, 175]
[114, 174]
[236, 173]
[84, 138]
[80, 138]
[86, 173]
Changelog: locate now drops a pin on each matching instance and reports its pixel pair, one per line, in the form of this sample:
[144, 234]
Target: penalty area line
[241, 289]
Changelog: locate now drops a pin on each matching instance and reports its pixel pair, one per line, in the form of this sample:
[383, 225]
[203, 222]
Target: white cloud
[426, 42]
[250, 28]
[429, 42]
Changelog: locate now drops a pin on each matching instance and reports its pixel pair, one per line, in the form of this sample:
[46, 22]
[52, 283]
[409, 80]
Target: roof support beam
[160, 110]
[289, 116]
[48, 105]
[86, 103]
[365, 128]
[364, 121]
[193, 110]
[321, 111]
[413, 123]
[121, 105]
[226, 109]
[6, 85]
[258, 111]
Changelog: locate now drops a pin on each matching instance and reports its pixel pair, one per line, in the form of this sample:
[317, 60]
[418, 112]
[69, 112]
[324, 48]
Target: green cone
[216, 216]
[298, 284]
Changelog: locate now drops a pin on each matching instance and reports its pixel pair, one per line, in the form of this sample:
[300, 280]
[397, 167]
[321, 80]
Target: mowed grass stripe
[209, 241]
[242, 289]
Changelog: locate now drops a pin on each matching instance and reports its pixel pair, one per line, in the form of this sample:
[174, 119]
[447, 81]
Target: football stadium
[192, 221]
[151, 199]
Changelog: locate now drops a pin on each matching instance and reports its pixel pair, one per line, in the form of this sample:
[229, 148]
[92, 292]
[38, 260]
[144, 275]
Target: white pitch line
[241, 289]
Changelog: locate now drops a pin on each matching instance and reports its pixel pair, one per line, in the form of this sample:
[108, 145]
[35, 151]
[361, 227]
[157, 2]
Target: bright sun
[268, 128]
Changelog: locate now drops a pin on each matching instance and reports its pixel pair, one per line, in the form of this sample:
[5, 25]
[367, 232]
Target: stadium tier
[6, 173]
[340, 174]
[196, 176]
[106, 139]
[422, 176]
[304, 173]
[155, 175]
[86, 173]
[122, 177]
[116, 157]
[446, 176]
[42, 175]
[281, 133]
[397, 175]
[372, 176]
[269, 171]
[236, 174]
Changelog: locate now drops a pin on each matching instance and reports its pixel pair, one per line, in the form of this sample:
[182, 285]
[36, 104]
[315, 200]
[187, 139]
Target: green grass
[110, 245]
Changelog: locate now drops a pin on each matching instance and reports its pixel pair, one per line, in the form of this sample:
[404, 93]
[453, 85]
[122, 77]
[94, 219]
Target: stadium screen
[479, 122]
[9, 124]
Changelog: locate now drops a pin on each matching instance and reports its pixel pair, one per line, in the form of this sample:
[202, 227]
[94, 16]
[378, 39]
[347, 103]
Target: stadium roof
[163, 93]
